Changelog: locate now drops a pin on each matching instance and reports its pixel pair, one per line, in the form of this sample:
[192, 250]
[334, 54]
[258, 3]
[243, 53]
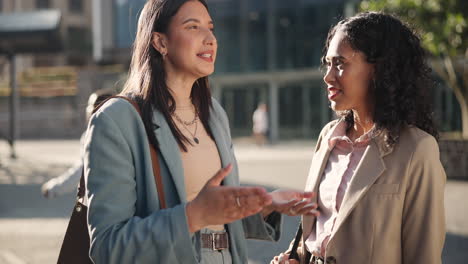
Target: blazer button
[331, 260]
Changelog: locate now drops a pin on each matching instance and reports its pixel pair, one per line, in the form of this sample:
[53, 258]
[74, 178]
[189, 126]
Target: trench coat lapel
[170, 152]
[221, 139]
[371, 167]
[317, 167]
[316, 170]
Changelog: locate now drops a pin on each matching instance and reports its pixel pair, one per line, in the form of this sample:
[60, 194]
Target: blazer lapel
[316, 170]
[220, 138]
[170, 152]
[370, 169]
[319, 161]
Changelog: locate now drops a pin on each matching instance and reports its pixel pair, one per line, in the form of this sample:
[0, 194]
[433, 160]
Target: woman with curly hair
[376, 169]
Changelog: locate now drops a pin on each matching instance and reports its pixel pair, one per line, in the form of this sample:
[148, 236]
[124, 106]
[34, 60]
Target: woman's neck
[181, 89]
[363, 123]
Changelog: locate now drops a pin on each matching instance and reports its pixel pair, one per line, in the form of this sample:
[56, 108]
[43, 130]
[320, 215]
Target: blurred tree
[444, 32]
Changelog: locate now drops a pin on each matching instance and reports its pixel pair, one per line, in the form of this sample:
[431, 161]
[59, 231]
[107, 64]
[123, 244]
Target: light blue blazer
[124, 219]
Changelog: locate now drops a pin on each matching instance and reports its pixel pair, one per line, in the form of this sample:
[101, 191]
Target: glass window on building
[78, 39]
[241, 30]
[226, 17]
[254, 52]
[301, 28]
[291, 114]
[78, 45]
[303, 109]
[288, 26]
[265, 35]
[126, 19]
[240, 102]
[75, 6]
[42, 4]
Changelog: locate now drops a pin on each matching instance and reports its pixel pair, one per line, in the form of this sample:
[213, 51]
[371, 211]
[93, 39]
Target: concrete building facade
[75, 29]
[269, 51]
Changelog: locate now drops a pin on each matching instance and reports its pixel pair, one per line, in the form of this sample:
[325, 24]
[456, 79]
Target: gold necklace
[185, 124]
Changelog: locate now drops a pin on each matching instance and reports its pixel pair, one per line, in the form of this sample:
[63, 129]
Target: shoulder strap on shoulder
[154, 159]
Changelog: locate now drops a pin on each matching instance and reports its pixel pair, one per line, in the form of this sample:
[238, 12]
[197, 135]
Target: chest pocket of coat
[385, 188]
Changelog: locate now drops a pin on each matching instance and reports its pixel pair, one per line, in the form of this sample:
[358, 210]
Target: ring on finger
[238, 201]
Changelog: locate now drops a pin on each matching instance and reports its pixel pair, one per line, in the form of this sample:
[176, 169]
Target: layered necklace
[186, 124]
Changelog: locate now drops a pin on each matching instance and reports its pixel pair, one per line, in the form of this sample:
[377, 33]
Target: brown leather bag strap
[154, 159]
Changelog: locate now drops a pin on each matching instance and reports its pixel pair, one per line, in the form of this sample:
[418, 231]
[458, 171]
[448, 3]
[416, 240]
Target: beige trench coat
[393, 210]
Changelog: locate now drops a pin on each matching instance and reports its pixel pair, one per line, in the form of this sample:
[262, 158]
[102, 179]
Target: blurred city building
[269, 51]
[75, 30]
[53, 86]
[114, 29]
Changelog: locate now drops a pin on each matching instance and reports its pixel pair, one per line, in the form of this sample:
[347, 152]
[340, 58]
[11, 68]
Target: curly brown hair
[402, 80]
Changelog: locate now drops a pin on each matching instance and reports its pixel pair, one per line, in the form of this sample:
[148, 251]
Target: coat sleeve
[256, 227]
[117, 234]
[423, 226]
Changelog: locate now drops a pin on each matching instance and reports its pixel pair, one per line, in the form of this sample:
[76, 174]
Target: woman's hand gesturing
[283, 259]
[218, 205]
[291, 203]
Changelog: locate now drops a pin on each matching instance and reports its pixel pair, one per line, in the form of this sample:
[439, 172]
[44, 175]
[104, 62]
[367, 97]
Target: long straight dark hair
[146, 83]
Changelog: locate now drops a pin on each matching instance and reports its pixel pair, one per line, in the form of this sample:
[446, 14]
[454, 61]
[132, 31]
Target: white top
[260, 121]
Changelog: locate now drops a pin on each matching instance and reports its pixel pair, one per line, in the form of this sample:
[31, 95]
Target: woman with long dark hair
[207, 217]
[376, 169]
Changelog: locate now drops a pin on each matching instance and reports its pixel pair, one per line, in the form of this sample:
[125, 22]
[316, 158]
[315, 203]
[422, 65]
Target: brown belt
[215, 241]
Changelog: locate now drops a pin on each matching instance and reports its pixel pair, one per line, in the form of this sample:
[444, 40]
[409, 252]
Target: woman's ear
[159, 42]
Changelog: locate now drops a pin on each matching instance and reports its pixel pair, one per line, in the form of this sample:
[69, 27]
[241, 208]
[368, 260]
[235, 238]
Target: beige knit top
[201, 161]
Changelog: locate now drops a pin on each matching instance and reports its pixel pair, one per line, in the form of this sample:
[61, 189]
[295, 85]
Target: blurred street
[32, 227]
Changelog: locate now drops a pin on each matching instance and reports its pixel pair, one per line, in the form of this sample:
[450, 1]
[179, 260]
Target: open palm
[293, 203]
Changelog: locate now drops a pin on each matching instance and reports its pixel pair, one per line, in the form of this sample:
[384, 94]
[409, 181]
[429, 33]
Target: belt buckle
[213, 239]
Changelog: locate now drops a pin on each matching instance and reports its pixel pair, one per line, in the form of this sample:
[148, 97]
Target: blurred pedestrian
[376, 169]
[260, 124]
[68, 181]
[208, 215]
